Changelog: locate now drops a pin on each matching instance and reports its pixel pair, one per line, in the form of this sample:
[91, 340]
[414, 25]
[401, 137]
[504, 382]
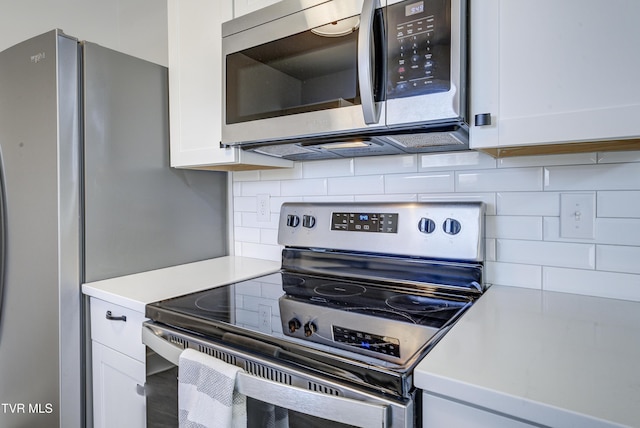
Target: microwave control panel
[419, 47]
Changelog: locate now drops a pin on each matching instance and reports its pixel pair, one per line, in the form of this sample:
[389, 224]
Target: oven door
[309, 72]
[289, 396]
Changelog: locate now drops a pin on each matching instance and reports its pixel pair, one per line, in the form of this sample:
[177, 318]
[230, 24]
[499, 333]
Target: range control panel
[443, 230]
[365, 222]
[371, 342]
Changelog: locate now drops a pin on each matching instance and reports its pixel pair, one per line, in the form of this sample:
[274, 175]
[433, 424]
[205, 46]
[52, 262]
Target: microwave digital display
[414, 8]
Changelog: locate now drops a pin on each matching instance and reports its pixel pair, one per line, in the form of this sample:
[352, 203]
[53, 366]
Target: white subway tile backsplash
[593, 177]
[593, 283]
[618, 258]
[359, 185]
[328, 168]
[618, 204]
[306, 187]
[551, 232]
[246, 234]
[250, 219]
[514, 227]
[399, 197]
[512, 274]
[388, 164]
[543, 253]
[523, 246]
[269, 236]
[456, 160]
[244, 203]
[261, 251]
[622, 231]
[528, 203]
[488, 198]
[498, 180]
[328, 198]
[419, 183]
[619, 157]
[253, 188]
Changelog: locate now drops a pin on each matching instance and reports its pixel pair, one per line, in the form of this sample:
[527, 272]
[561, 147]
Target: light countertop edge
[137, 290]
[554, 359]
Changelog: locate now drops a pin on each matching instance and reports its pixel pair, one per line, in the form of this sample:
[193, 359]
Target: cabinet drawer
[122, 335]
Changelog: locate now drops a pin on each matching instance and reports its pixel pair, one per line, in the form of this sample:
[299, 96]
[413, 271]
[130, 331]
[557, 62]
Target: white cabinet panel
[118, 395]
[242, 7]
[551, 72]
[123, 336]
[195, 88]
[118, 366]
[438, 412]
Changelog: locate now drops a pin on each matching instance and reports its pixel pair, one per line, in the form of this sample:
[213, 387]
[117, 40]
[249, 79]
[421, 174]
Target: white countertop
[135, 291]
[556, 359]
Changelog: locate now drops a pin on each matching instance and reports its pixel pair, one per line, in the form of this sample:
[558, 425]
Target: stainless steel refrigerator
[87, 194]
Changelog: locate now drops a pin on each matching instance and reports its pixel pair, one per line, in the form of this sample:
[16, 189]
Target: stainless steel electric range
[364, 292]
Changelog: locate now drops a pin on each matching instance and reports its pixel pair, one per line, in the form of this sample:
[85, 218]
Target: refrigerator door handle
[3, 239]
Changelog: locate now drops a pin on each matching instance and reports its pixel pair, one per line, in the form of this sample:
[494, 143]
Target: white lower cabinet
[118, 366]
[439, 412]
[118, 392]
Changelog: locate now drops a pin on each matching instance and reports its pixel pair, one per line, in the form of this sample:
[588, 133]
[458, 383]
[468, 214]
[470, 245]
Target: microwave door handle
[366, 58]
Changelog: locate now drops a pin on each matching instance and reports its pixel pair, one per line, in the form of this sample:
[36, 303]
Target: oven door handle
[343, 410]
[338, 409]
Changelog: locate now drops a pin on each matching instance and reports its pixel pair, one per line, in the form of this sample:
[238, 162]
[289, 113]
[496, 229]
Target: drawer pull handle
[112, 318]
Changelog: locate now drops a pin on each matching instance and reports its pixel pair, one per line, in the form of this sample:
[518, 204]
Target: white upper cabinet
[242, 7]
[195, 89]
[549, 72]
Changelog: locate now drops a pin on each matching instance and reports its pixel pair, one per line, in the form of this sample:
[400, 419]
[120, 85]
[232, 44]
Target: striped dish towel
[206, 393]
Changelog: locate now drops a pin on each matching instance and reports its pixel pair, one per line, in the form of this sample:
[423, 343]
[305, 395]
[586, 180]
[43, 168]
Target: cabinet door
[552, 72]
[118, 394]
[242, 7]
[439, 412]
[195, 88]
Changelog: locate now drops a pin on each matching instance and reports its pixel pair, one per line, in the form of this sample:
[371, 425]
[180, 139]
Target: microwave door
[295, 77]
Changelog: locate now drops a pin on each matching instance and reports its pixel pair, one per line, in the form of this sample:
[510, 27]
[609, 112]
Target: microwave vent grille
[418, 141]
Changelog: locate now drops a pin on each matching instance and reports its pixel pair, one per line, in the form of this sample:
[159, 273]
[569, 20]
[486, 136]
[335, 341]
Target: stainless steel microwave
[315, 79]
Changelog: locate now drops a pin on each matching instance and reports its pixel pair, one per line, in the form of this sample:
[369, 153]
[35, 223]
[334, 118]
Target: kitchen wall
[135, 27]
[523, 244]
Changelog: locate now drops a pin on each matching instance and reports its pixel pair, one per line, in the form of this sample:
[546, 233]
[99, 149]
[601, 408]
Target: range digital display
[365, 222]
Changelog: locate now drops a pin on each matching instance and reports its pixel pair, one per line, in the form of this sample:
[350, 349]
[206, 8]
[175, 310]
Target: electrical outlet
[263, 208]
[264, 315]
[577, 215]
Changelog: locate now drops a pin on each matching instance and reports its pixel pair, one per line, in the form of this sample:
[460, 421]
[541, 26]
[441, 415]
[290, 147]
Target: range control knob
[293, 220]
[294, 325]
[309, 329]
[308, 221]
[451, 226]
[426, 225]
